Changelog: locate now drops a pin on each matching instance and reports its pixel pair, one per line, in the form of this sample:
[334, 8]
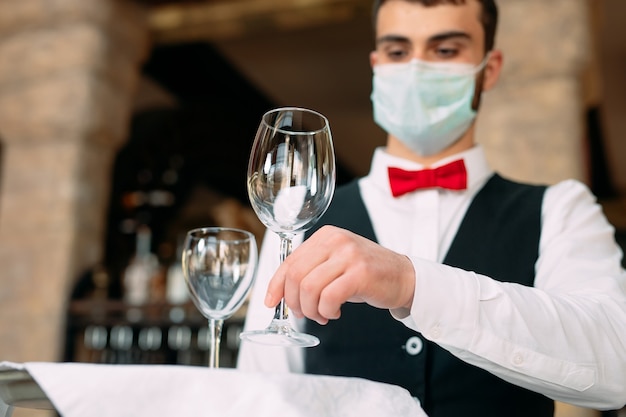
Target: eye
[396, 52]
[450, 48]
[397, 55]
[446, 52]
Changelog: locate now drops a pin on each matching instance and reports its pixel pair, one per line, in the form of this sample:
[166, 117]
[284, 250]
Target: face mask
[428, 106]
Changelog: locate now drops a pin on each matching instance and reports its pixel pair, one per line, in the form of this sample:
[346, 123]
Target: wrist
[409, 286]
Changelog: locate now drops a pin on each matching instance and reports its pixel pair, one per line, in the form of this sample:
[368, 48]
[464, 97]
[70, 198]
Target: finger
[335, 294]
[314, 283]
[292, 290]
[286, 279]
[337, 245]
[275, 289]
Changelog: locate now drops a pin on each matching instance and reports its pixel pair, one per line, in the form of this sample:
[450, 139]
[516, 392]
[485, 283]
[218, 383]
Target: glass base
[280, 333]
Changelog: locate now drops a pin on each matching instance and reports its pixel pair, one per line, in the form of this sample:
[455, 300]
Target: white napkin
[79, 390]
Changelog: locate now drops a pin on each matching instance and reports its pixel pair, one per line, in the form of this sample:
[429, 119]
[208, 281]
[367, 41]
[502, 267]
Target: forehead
[418, 23]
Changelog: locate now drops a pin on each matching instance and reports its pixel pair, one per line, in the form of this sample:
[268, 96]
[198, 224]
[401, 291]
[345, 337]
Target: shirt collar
[478, 169]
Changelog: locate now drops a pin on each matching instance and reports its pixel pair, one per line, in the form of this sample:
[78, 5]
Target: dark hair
[489, 17]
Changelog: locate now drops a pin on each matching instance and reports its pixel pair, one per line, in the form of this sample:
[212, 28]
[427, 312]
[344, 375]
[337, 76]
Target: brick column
[532, 123]
[68, 71]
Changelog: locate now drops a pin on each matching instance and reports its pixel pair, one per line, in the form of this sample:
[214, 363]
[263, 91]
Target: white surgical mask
[426, 105]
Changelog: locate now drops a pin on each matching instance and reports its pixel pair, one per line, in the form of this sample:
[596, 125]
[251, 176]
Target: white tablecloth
[79, 390]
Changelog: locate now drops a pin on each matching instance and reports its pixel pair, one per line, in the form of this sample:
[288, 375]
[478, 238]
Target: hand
[335, 266]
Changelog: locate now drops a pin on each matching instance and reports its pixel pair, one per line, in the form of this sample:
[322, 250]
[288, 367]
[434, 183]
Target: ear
[492, 69]
[373, 58]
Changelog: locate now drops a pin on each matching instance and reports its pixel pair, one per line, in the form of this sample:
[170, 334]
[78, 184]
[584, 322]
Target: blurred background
[124, 123]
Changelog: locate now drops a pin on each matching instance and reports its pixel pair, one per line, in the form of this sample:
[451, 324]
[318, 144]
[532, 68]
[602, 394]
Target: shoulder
[572, 187]
[571, 212]
[562, 197]
[570, 196]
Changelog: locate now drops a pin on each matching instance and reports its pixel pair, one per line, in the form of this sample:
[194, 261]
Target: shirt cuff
[445, 303]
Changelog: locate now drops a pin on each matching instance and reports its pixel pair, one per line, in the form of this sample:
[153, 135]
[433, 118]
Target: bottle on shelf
[142, 271]
[177, 293]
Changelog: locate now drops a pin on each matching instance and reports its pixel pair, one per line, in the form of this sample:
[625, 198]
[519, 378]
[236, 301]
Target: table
[19, 389]
[78, 389]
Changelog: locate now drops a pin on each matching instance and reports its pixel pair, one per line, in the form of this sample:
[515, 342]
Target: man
[503, 296]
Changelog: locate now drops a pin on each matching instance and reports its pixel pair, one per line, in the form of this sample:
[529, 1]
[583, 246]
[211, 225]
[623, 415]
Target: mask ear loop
[480, 80]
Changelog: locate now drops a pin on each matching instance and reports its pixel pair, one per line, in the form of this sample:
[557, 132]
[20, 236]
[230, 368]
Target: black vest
[499, 237]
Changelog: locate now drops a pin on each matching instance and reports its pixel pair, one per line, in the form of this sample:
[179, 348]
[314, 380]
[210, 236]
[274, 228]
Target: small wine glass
[291, 181]
[219, 265]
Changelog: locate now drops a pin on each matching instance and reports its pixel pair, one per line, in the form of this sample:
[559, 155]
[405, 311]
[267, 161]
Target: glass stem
[282, 312]
[215, 328]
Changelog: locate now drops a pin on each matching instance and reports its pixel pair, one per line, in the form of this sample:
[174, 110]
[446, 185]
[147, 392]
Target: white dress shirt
[565, 337]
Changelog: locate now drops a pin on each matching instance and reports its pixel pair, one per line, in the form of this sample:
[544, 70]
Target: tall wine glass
[291, 181]
[219, 265]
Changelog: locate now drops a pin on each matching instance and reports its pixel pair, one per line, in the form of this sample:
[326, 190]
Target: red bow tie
[451, 176]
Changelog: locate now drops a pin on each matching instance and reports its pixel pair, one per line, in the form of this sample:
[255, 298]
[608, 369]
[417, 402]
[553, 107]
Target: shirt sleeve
[263, 358]
[566, 336]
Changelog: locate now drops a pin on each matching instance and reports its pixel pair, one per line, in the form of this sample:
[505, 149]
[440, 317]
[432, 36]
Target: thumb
[275, 289]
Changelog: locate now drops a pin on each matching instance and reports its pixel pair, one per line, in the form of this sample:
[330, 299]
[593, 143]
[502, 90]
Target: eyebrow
[435, 38]
[449, 35]
[391, 39]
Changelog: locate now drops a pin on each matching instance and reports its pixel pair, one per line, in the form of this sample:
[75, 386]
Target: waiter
[480, 295]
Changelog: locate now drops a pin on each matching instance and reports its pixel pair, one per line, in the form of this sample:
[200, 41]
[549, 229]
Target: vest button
[414, 345]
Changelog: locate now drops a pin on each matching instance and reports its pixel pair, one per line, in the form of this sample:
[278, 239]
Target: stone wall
[532, 123]
[68, 70]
